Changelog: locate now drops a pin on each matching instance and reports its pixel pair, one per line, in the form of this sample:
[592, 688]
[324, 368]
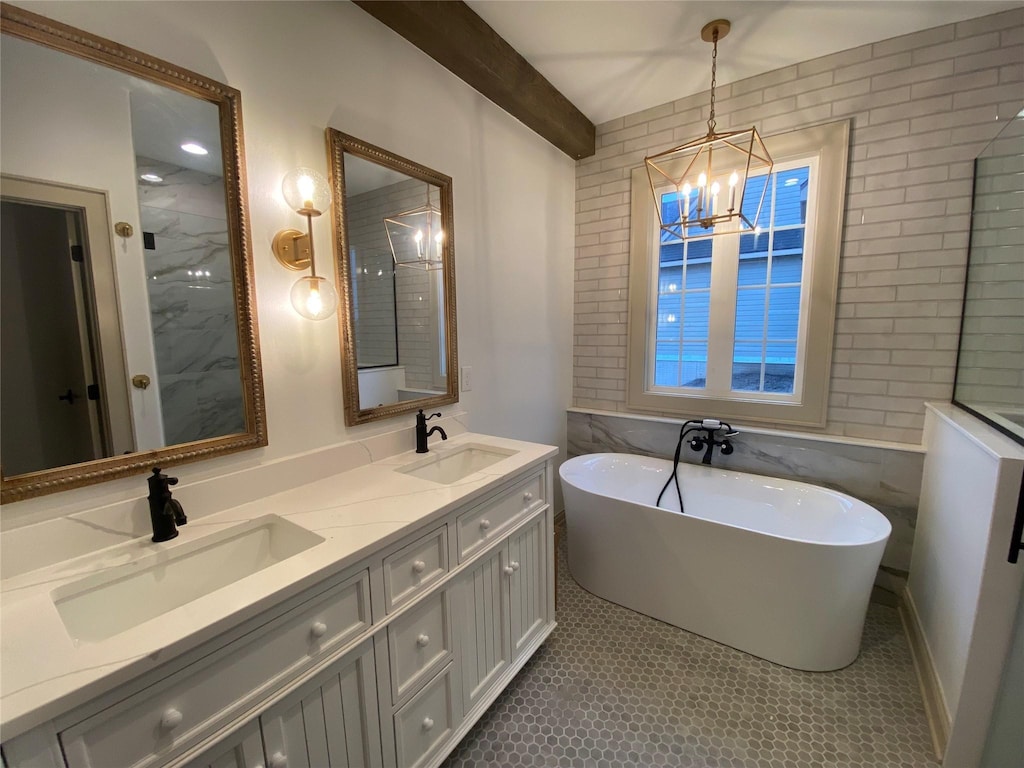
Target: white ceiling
[615, 57]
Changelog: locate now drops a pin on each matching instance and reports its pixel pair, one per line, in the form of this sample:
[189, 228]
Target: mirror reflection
[399, 286]
[124, 286]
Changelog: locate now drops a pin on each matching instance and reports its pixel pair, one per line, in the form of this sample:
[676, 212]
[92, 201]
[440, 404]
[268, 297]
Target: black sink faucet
[164, 512]
[421, 431]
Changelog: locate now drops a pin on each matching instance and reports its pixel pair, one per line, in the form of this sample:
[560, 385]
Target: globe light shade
[306, 191]
[314, 297]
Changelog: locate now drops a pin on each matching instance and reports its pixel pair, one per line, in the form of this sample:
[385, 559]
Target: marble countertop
[45, 673]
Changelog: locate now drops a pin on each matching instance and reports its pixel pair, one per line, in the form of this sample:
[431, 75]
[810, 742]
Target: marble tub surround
[41, 532]
[885, 475]
[44, 672]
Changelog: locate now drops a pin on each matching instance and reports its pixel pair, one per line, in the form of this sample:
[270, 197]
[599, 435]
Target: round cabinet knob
[423, 641]
[485, 524]
[277, 760]
[419, 566]
[515, 565]
[428, 723]
[528, 496]
[509, 570]
[318, 630]
[171, 719]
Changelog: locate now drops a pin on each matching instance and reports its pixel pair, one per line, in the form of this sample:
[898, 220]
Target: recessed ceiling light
[151, 177]
[196, 149]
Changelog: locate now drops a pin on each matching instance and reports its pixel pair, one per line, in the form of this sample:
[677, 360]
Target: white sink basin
[108, 603]
[449, 467]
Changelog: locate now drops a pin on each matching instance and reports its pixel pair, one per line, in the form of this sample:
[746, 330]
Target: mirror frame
[338, 145]
[81, 44]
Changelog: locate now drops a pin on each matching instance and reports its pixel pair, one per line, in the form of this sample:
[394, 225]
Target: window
[726, 325]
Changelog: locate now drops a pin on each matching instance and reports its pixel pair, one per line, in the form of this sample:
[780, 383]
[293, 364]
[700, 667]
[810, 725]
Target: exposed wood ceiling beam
[455, 37]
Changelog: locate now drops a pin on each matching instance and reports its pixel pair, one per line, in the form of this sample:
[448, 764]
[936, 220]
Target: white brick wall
[922, 107]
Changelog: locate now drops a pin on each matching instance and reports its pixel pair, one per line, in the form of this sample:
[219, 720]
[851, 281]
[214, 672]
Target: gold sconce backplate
[291, 247]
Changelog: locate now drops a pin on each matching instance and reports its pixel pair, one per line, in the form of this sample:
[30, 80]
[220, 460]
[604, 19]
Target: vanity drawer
[412, 569]
[488, 521]
[418, 642]
[426, 721]
[150, 727]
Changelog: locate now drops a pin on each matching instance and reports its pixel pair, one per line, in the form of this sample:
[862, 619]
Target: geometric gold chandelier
[417, 237]
[703, 183]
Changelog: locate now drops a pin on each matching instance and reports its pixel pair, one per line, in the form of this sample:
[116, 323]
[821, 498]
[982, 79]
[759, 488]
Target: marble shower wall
[191, 303]
[887, 477]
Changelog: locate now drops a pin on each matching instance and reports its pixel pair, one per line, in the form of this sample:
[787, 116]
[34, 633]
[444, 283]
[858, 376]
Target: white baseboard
[931, 689]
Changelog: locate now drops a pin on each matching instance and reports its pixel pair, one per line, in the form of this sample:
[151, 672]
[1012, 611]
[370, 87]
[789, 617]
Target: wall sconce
[308, 194]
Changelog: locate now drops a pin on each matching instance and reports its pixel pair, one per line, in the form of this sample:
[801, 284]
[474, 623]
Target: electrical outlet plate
[466, 378]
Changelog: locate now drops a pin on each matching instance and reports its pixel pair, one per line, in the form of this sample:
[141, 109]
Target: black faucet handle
[428, 418]
[158, 482]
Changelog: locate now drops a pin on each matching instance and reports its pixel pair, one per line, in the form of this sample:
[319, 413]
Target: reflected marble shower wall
[887, 476]
[191, 303]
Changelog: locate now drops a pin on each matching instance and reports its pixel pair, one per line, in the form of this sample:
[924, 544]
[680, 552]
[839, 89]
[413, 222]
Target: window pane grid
[768, 296]
[684, 300]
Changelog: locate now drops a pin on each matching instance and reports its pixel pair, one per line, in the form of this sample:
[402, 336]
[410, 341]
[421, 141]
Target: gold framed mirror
[129, 332]
[395, 253]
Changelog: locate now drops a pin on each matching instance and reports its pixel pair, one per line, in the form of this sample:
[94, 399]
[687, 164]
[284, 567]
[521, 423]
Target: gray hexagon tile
[615, 689]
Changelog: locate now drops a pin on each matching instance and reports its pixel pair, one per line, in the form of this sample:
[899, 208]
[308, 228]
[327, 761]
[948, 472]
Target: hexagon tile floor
[615, 689]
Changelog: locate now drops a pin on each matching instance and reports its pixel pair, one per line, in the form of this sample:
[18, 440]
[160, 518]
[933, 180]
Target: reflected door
[47, 372]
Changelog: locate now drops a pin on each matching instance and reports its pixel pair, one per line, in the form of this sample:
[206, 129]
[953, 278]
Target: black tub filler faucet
[708, 441]
[702, 442]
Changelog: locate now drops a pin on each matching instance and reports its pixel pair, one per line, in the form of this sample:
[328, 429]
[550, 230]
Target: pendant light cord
[714, 72]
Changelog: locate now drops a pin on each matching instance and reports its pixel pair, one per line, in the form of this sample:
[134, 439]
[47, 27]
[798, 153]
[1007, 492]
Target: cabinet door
[331, 722]
[243, 749]
[483, 625]
[528, 603]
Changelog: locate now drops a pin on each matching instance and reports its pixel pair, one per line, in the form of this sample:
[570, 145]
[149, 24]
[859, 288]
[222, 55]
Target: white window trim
[809, 404]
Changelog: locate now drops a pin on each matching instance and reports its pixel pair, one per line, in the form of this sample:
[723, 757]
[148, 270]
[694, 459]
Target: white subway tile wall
[922, 107]
[406, 302]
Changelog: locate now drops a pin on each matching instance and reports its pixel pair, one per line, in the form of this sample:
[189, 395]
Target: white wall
[963, 592]
[301, 67]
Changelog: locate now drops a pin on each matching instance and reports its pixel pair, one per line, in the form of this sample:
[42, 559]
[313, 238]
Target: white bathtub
[776, 568]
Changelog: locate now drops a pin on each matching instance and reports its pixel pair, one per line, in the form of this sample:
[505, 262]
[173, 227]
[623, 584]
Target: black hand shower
[683, 432]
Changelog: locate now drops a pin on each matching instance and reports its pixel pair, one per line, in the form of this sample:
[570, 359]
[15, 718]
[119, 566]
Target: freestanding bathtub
[776, 568]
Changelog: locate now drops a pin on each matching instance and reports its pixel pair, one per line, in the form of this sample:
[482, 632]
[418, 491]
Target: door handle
[69, 396]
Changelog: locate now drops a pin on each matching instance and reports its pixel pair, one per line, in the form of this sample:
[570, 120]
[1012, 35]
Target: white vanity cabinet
[243, 749]
[386, 664]
[329, 721]
[502, 608]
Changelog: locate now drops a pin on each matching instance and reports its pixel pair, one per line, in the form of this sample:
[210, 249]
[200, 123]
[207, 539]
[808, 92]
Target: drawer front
[156, 723]
[418, 642]
[425, 722]
[488, 521]
[412, 569]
